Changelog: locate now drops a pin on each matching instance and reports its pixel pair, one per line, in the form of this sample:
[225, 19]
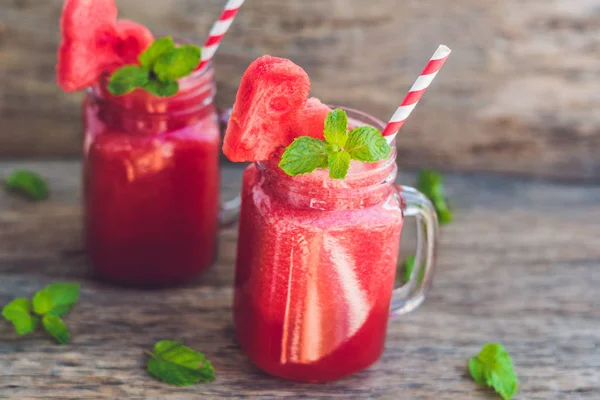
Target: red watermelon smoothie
[150, 162]
[316, 255]
[151, 182]
[315, 267]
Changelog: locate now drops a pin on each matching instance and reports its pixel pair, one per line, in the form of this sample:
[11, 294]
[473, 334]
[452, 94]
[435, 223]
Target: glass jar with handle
[316, 264]
[151, 182]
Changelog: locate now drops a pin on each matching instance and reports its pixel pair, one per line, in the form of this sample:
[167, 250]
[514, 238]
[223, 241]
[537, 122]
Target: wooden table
[520, 265]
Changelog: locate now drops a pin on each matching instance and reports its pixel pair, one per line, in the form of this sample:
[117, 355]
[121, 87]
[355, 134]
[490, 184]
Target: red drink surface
[315, 269]
[151, 182]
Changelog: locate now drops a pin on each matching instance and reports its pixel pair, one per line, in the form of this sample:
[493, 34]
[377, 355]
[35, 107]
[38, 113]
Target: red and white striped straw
[416, 92]
[218, 30]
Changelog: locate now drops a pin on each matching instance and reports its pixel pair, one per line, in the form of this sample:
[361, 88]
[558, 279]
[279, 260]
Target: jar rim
[358, 170]
[196, 90]
[199, 73]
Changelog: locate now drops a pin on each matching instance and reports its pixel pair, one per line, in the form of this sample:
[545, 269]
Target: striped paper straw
[416, 92]
[218, 30]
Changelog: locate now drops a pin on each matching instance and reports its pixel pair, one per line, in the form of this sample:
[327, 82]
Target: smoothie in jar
[151, 182]
[315, 270]
[319, 230]
[150, 146]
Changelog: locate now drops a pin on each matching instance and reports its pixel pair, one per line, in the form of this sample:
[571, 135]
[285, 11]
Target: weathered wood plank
[519, 266]
[519, 95]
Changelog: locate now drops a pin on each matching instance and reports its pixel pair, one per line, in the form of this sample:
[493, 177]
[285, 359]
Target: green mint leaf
[366, 143]
[177, 63]
[18, 312]
[336, 128]
[42, 302]
[338, 163]
[56, 299]
[128, 78]
[57, 328]
[431, 184]
[304, 155]
[409, 265]
[493, 367]
[27, 183]
[157, 48]
[444, 213]
[178, 365]
[162, 89]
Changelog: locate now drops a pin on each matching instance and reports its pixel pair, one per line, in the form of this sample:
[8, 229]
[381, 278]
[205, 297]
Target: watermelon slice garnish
[93, 43]
[134, 39]
[271, 92]
[309, 121]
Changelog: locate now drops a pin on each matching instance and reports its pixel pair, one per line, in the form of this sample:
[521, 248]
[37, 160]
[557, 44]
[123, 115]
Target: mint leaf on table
[493, 367]
[306, 154]
[56, 328]
[162, 89]
[409, 266]
[178, 365]
[161, 65]
[128, 78]
[431, 184]
[18, 312]
[336, 128]
[157, 48]
[52, 302]
[42, 302]
[28, 184]
[366, 143]
[177, 63]
[56, 299]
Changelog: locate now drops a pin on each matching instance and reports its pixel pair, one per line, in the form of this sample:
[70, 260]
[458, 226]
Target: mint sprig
[176, 63]
[338, 163]
[160, 46]
[305, 154]
[56, 299]
[366, 144]
[162, 89]
[18, 312]
[431, 184]
[56, 328]
[28, 184]
[409, 266]
[161, 65]
[178, 365]
[49, 304]
[336, 128]
[128, 78]
[493, 367]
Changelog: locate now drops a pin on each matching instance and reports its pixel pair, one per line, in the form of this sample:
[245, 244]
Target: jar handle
[409, 296]
[230, 209]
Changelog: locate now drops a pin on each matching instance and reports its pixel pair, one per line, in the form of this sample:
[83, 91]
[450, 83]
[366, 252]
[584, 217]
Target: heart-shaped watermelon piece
[88, 31]
[271, 92]
[93, 42]
[309, 120]
[134, 39]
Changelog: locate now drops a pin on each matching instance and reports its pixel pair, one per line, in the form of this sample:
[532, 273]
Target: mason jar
[316, 264]
[151, 181]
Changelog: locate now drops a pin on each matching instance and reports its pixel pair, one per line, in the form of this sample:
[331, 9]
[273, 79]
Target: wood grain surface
[520, 266]
[519, 95]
